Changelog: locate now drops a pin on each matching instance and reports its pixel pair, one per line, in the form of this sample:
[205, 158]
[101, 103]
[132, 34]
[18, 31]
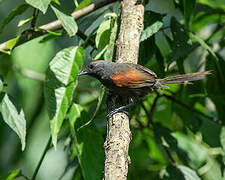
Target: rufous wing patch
[128, 79]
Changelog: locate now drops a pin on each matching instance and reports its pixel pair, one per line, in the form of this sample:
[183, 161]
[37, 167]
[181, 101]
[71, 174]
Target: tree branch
[55, 25]
[118, 130]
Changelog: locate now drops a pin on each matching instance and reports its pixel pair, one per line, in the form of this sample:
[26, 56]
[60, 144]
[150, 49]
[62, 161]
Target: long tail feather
[185, 78]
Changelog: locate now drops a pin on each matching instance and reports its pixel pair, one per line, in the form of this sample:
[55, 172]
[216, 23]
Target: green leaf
[61, 81]
[25, 21]
[189, 9]
[42, 5]
[204, 18]
[88, 142]
[203, 44]
[14, 118]
[1, 84]
[214, 3]
[222, 137]
[103, 34]
[215, 84]
[68, 22]
[56, 1]
[11, 43]
[180, 173]
[12, 175]
[15, 12]
[83, 4]
[173, 173]
[150, 30]
[188, 173]
[109, 54]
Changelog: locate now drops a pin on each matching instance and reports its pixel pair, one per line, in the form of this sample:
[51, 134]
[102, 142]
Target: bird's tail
[183, 79]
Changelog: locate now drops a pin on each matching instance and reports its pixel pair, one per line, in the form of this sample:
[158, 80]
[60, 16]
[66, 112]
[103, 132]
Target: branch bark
[118, 131]
[55, 25]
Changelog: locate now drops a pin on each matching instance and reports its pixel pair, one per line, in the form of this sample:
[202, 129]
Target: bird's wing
[133, 79]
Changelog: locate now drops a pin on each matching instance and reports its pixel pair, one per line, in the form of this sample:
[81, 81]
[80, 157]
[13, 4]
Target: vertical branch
[118, 131]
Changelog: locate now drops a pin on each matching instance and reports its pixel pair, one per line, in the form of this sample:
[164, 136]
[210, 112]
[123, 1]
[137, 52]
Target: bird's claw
[111, 113]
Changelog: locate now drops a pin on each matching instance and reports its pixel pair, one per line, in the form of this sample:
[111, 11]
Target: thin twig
[170, 157]
[55, 25]
[35, 15]
[42, 158]
[192, 109]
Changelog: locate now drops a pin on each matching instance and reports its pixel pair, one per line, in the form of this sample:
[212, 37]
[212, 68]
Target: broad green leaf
[25, 21]
[106, 36]
[60, 83]
[188, 173]
[83, 4]
[150, 30]
[88, 141]
[14, 118]
[68, 22]
[103, 35]
[42, 5]
[12, 175]
[11, 43]
[108, 56]
[189, 9]
[15, 12]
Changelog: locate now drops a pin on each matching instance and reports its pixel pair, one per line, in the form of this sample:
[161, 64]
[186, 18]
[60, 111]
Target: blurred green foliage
[177, 133]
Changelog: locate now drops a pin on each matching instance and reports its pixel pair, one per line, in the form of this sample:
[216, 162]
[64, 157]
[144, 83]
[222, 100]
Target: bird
[133, 80]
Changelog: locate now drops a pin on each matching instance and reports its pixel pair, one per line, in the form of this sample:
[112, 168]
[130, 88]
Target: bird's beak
[83, 72]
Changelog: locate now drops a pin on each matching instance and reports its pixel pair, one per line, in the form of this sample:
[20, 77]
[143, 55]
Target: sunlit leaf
[25, 21]
[188, 173]
[103, 34]
[1, 84]
[15, 12]
[11, 43]
[12, 175]
[60, 83]
[14, 118]
[83, 4]
[56, 1]
[68, 22]
[214, 3]
[42, 5]
[108, 56]
[88, 142]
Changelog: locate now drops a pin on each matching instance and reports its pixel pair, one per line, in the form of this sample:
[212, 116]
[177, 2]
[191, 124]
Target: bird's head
[96, 69]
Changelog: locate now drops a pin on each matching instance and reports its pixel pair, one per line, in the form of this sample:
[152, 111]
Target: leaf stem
[42, 158]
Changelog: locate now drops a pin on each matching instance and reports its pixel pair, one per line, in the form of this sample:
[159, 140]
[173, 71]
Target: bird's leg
[114, 102]
[122, 108]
